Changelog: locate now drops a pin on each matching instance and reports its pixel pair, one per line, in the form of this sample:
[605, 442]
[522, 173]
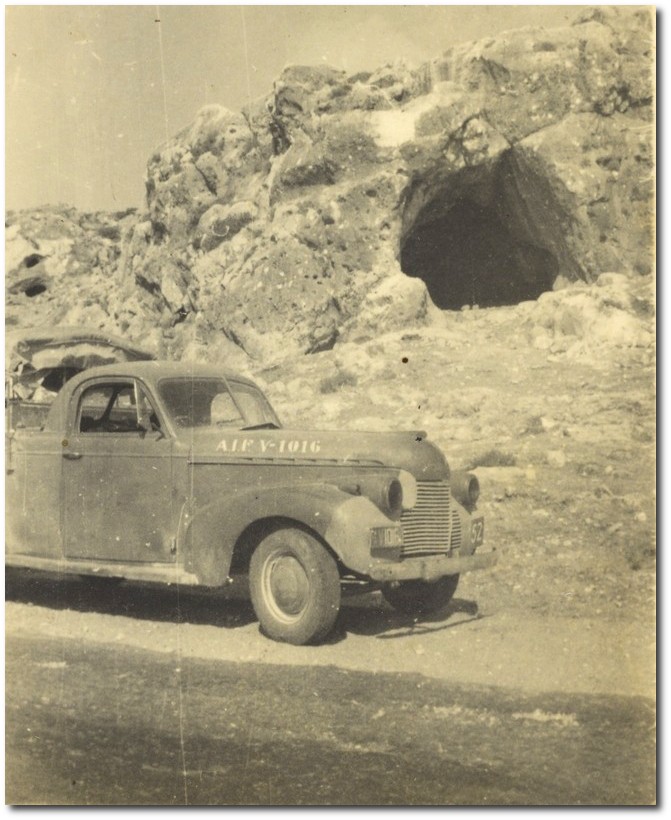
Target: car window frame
[125, 381]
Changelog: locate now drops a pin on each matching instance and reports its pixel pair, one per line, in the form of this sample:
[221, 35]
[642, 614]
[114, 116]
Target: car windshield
[207, 402]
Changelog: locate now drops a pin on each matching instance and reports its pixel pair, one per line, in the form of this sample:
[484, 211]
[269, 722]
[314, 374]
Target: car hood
[409, 450]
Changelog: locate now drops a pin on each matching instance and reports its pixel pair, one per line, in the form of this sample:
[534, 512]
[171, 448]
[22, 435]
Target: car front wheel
[421, 597]
[295, 587]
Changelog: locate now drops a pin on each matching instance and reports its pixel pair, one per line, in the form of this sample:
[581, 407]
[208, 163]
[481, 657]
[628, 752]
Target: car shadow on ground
[109, 596]
[366, 614]
[370, 615]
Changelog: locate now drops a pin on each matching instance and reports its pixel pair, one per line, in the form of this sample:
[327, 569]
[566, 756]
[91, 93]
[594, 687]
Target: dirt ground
[104, 723]
[473, 642]
[560, 434]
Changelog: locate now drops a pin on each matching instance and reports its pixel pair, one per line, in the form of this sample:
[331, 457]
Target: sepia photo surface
[330, 406]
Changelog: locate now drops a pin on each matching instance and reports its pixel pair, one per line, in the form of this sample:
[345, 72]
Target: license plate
[477, 531]
[385, 537]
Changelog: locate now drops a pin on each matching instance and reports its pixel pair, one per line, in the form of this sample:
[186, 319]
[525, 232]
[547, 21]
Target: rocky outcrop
[62, 267]
[342, 206]
[615, 313]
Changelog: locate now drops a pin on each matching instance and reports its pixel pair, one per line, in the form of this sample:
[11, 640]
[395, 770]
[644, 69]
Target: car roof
[150, 372]
[153, 371]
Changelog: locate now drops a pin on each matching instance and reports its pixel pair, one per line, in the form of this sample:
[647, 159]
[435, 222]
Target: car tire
[421, 597]
[295, 587]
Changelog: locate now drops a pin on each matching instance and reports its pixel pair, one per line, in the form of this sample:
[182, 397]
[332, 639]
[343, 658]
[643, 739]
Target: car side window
[223, 410]
[93, 407]
[115, 408]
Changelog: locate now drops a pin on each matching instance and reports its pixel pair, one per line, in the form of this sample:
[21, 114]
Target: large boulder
[613, 313]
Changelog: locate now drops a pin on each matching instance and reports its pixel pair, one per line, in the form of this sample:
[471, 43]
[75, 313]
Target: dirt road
[471, 643]
[126, 695]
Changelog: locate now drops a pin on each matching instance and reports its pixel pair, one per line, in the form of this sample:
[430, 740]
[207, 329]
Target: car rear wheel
[421, 597]
[295, 587]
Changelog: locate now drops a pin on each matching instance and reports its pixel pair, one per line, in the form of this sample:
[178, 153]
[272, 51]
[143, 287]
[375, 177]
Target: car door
[117, 477]
[33, 492]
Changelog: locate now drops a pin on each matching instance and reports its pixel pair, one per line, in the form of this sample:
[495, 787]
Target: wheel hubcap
[286, 586]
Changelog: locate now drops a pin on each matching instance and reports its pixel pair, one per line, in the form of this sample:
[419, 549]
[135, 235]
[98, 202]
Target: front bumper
[350, 535]
[430, 568]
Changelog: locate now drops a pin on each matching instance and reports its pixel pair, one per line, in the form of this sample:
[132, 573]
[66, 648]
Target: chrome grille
[455, 539]
[426, 527]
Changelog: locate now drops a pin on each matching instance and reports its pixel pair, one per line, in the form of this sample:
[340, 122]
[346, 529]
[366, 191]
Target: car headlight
[391, 494]
[465, 488]
[473, 489]
[394, 497]
[409, 485]
[386, 493]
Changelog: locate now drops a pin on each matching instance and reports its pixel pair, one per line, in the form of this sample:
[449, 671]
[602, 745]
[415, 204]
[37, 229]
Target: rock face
[61, 267]
[337, 205]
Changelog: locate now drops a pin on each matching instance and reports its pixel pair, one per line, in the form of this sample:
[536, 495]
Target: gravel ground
[472, 643]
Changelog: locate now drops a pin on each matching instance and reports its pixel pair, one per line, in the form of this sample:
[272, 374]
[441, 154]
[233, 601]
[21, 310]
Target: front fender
[210, 533]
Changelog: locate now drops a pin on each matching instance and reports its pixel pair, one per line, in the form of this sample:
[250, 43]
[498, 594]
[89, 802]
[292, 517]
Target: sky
[91, 91]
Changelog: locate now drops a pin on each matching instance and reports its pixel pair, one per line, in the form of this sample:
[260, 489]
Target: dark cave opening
[35, 290]
[488, 235]
[470, 257]
[32, 260]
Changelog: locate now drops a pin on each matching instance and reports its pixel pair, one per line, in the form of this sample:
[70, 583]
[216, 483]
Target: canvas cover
[39, 360]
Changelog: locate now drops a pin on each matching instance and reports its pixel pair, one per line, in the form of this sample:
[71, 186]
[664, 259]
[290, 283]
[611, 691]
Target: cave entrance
[34, 289]
[486, 235]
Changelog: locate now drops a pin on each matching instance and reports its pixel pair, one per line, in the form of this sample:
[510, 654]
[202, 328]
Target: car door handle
[72, 456]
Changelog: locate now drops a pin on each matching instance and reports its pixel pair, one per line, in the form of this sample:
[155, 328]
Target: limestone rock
[614, 313]
[342, 206]
[397, 302]
[303, 164]
[220, 223]
[60, 262]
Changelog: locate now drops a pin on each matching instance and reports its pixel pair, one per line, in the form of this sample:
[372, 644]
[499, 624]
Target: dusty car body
[170, 472]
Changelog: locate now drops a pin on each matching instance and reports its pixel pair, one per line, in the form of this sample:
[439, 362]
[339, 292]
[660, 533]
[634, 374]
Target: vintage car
[158, 471]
